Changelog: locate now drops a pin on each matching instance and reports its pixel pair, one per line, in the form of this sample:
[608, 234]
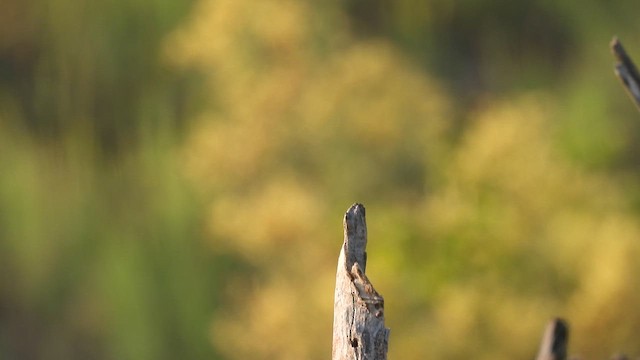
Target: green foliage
[101, 249]
[101, 262]
[172, 177]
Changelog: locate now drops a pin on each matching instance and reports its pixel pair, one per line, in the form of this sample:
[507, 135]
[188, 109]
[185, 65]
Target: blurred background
[173, 175]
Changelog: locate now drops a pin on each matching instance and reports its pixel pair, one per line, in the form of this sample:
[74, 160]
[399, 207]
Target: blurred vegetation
[173, 175]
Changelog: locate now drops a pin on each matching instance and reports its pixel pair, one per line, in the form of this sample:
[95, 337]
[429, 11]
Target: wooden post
[554, 341]
[626, 71]
[358, 311]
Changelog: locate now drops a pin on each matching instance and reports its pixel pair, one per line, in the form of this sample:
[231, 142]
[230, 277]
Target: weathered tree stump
[358, 311]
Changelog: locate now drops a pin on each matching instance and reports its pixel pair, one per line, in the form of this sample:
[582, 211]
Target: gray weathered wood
[358, 312]
[554, 341]
[626, 71]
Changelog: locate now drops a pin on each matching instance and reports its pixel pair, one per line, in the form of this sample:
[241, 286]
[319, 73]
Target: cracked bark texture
[358, 313]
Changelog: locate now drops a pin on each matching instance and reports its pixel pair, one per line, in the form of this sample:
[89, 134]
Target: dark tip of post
[560, 336]
[626, 71]
[554, 341]
[617, 49]
[614, 42]
[355, 236]
[356, 208]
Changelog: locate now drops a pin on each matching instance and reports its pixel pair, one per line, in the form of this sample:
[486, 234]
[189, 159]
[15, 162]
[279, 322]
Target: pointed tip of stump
[355, 210]
[355, 236]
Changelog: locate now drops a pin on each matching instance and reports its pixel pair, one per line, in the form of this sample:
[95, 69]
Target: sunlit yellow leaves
[262, 323]
[602, 306]
[227, 28]
[224, 153]
[374, 96]
[266, 110]
[268, 219]
[534, 233]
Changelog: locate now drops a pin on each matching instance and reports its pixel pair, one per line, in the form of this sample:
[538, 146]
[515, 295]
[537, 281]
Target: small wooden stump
[358, 311]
